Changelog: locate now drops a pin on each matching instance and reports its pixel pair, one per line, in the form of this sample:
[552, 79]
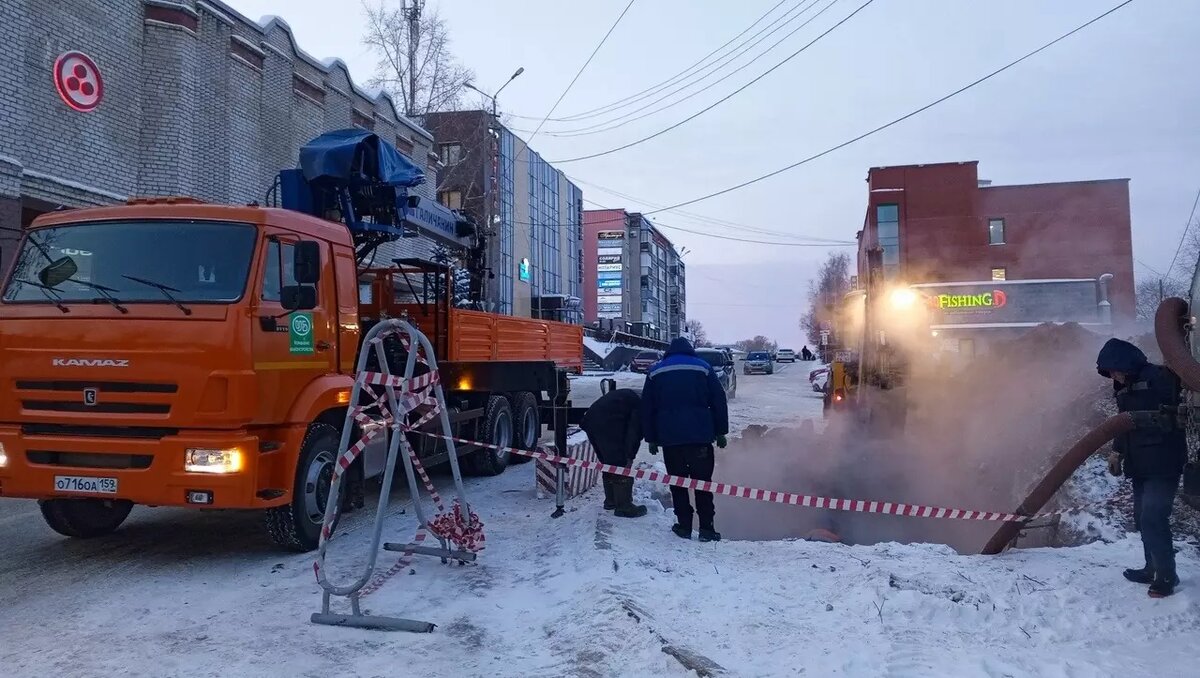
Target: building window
[887, 222]
[450, 199]
[995, 231]
[1000, 273]
[451, 154]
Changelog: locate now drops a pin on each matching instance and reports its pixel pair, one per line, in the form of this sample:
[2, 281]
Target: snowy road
[178, 593]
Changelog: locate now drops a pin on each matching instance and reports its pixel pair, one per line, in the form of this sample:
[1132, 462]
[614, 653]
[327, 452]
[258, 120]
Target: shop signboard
[1013, 301]
[609, 236]
[604, 268]
[608, 259]
[608, 299]
[609, 275]
[608, 308]
[609, 283]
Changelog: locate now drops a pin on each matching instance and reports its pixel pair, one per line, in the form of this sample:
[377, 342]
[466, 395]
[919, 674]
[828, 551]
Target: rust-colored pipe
[1054, 479]
[1170, 330]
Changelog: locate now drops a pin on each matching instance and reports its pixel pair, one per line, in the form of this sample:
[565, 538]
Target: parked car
[642, 361]
[758, 362]
[817, 372]
[721, 361]
[785, 355]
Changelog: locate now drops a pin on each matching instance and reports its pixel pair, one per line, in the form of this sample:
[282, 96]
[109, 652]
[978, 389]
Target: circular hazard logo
[78, 81]
[301, 326]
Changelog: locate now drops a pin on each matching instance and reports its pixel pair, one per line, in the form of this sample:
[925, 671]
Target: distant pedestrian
[614, 426]
[684, 411]
[806, 355]
[1152, 456]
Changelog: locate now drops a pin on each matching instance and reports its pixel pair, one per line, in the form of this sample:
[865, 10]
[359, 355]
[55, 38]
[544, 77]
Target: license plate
[85, 484]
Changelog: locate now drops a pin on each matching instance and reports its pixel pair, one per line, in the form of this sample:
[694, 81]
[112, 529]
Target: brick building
[195, 100]
[535, 215]
[632, 275]
[940, 223]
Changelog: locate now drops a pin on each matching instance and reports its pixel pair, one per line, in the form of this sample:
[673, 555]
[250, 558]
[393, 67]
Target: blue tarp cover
[355, 155]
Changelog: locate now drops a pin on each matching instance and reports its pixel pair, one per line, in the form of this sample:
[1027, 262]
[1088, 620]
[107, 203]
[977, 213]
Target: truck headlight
[3, 456]
[903, 298]
[204, 460]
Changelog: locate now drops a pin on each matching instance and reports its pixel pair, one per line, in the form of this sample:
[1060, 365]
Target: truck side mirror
[57, 272]
[306, 262]
[298, 298]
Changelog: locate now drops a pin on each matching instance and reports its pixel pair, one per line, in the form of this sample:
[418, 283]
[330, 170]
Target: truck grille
[89, 459]
[99, 397]
[69, 431]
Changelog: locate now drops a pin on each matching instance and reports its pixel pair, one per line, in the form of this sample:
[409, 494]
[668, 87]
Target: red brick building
[940, 223]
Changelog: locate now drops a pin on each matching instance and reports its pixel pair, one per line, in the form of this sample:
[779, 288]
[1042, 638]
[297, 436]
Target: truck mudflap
[202, 469]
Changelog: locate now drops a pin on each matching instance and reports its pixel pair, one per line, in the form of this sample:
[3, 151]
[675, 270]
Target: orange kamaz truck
[168, 352]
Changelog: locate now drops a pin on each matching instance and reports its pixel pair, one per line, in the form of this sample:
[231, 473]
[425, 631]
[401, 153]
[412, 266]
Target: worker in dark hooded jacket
[1152, 456]
[614, 426]
[684, 411]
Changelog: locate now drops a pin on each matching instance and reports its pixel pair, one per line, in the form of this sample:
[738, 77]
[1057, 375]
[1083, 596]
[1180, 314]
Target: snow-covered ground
[184, 593]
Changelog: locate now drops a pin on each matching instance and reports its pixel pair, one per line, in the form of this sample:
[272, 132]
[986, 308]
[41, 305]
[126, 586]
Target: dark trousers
[691, 461]
[1152, 502]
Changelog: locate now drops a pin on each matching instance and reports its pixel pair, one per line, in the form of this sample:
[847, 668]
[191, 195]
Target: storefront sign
[610, 252]
[608, 267]
[609, 308]
[431, 216]
[610, 235]
[78, 81]
[608, 259]
[616, 282]
[523, 270]
[1057, 301]
[609, 275]
[608, 299]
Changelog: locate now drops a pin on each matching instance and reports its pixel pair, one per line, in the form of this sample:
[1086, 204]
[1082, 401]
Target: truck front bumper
[145, 471]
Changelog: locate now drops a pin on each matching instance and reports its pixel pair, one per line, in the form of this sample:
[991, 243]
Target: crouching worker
[1152, 456]
[684, 411]
[613, 425]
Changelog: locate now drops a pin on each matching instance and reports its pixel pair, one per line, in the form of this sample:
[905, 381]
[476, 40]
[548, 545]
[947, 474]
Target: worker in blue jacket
[684, 412]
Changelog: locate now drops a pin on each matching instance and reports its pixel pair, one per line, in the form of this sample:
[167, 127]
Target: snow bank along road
[179, 593]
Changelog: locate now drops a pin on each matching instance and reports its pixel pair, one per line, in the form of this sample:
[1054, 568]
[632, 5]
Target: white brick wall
[181, 115]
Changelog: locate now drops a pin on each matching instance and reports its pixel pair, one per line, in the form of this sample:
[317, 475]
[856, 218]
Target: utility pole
[413, 16]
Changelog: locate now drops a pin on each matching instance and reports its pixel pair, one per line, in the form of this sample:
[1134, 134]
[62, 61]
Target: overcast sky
[1116, 100]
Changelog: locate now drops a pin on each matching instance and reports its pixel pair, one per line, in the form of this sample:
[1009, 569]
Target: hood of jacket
[680, 346]
[1120, 356]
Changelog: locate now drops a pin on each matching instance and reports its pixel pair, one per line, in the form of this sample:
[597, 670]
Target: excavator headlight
[203, 460]
[903, 298]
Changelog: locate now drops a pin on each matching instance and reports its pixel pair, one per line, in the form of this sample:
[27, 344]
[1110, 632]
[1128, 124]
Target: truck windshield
[134, 261]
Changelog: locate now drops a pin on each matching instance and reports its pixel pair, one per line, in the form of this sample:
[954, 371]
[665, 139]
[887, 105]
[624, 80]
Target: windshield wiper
[165, 289]
[51, 293]
[105, 293]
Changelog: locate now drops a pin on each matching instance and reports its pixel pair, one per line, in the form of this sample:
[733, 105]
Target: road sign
[78, 81]
[824, 337]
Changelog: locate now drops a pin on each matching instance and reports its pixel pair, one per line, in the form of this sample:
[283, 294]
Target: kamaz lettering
[993, 299]
[89, 362]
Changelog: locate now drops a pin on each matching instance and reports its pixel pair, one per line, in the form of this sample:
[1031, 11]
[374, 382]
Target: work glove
[722, 442]
[653, 448]
[1114, 463]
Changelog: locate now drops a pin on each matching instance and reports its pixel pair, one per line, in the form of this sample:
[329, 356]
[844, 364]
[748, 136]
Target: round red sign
[78, 81]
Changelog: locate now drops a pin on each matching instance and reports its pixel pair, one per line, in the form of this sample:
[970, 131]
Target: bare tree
[825, 293]
[415, 62]
[695, 329]
[758, 343]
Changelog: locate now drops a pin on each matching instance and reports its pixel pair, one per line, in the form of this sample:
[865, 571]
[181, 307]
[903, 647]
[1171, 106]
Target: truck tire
[497, 429]
[527, 429]
[297, 525]
[85, 518]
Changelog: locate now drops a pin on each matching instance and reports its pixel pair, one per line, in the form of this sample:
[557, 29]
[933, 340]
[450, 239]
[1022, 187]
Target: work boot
[610, 501]
[1142, 576]
[1163, 586]
[709, 534]
[623, 497]
[682, 531]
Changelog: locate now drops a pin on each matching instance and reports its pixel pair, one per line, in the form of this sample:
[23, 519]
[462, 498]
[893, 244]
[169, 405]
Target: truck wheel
[85, 518]
[528, 430]
[497, 429]
[297, 524]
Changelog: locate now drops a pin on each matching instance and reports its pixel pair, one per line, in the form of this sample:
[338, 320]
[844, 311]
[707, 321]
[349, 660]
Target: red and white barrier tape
[772, 496]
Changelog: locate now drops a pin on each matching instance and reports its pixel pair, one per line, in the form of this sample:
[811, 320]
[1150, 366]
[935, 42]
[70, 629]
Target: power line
[579, 73]
[1148, 267]
[704, 218]
[725, 98]
[662, 85]
[627, 118]
[893, 123]
[1186, 227]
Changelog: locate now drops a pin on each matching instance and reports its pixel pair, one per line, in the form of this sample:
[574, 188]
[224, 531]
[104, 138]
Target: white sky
[1117, 100]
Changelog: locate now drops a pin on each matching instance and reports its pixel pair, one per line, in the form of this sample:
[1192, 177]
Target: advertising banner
[1057, 301]
[609, 275]
[610, 235]
[607, 267]
[609, 283]
[608, 259]
[608, 299]
[608, 314]
[609, 308]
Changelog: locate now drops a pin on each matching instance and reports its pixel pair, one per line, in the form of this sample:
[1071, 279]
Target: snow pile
[600, 348]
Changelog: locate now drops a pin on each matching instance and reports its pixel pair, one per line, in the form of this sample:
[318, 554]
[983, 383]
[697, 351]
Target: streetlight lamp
[497, 94]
